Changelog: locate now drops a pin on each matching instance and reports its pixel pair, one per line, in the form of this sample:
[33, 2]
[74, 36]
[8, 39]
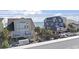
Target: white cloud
[32, 12]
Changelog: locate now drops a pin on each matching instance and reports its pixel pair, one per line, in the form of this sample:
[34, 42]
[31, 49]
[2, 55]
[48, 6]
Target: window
[61, 24]
[27, 26]
[24, 26]
[57, 26]
[58, 29]
[47, 24]
[60, 20]
[54, 19]
[11, 26]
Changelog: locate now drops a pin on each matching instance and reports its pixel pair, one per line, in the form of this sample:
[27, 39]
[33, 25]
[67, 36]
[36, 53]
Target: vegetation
[37, 29]
[43, 34]
[46, 34]
[5, 38]
[72, 28]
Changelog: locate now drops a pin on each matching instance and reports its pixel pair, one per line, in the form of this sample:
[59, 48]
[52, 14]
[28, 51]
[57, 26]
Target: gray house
[21, 27]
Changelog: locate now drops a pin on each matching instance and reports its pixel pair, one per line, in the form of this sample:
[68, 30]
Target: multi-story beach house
[19, 27]
[56, 23]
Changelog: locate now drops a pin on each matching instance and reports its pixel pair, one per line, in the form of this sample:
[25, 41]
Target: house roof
[19, 18]
[53, 17]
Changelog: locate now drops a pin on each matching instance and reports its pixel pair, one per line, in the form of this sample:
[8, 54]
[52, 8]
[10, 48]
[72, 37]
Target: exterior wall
[20, 28]
[32, 27]
[56, 23]
[69, 21]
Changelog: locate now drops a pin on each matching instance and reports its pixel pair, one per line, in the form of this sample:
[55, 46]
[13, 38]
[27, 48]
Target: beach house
[56, 23]
[21, 27]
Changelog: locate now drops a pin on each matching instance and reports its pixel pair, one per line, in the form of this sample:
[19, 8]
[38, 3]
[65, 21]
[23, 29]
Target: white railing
[70, 42]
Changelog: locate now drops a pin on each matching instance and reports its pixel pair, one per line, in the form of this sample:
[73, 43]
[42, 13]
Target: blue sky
[39, 15]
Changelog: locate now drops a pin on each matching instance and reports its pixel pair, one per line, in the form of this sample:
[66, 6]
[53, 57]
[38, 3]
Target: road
[64, 43]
